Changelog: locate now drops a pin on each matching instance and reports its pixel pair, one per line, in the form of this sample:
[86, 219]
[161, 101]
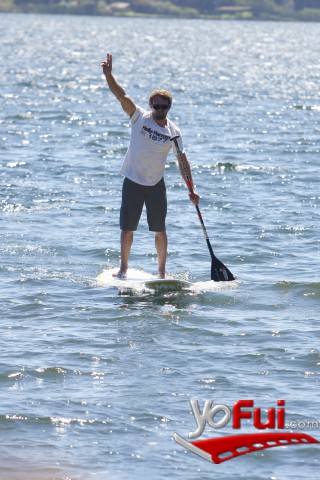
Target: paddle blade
[219, 272]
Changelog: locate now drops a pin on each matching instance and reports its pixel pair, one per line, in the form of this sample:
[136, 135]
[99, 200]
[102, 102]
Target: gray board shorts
[134, 196]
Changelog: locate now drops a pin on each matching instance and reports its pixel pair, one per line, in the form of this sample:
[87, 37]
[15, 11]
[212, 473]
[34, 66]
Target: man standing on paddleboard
[143, 168]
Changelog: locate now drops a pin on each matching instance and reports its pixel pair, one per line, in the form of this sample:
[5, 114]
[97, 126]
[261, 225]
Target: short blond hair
[160, 93]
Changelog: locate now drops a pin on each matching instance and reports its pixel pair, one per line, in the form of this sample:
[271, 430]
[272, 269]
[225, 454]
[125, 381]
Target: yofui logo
[221, 449]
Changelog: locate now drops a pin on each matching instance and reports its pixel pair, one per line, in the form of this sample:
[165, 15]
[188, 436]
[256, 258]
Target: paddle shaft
[189, 185]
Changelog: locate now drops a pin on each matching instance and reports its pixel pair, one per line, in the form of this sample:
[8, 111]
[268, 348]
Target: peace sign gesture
[107, 65]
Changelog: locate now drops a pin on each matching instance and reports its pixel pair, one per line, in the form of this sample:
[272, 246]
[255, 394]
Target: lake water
[94, 382]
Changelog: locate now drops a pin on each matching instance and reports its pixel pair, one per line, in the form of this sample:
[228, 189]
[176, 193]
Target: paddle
[219, 272]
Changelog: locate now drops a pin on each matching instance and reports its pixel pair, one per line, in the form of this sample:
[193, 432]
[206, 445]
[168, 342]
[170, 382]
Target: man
[143, 168]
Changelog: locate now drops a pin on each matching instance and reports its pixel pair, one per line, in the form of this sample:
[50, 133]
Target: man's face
[160, 107]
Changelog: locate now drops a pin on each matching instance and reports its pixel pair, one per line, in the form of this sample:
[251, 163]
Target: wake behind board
[139, 280]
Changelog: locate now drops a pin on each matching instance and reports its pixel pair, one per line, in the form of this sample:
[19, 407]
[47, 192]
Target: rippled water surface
[94, 382]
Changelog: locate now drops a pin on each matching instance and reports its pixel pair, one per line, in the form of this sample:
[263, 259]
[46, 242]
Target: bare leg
[126, 242]
[161, 243]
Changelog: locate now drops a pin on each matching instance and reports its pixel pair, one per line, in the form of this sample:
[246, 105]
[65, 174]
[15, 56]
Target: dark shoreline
[131, 14]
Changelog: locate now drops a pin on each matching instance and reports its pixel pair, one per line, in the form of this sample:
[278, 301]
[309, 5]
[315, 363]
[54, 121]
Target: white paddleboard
[138, 280]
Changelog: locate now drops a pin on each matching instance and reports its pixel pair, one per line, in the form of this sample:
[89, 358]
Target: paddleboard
[138, 280]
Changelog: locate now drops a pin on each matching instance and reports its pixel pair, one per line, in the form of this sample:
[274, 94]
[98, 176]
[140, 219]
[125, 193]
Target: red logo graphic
[218, 450]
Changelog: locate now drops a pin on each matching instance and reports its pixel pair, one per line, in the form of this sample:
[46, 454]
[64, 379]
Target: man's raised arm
[127, 104]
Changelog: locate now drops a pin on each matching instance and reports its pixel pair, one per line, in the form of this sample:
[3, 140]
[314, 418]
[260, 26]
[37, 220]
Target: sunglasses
[161, 107]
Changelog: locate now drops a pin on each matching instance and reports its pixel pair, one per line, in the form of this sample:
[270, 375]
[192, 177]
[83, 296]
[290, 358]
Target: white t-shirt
[149, 146]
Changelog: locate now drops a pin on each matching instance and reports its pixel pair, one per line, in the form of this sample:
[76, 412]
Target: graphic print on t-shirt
[154, 135]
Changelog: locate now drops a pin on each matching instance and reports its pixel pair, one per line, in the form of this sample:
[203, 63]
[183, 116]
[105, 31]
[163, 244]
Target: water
[94, 383]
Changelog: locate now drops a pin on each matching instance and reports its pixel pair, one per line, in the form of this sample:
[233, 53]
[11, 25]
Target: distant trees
[163, 7]
[203, 6]
[259, 9]
[271, 7]
[301, 4]
[36, 2]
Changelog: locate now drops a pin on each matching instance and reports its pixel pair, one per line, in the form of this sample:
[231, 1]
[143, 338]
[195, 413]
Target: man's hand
[127, 104]
[107, 65]
[194, 197]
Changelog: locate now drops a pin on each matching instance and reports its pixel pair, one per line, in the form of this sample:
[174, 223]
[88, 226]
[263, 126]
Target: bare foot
[165, 275]
[122, 274]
